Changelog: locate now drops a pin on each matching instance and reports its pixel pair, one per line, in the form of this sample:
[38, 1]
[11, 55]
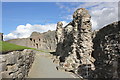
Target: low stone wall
[16, 64]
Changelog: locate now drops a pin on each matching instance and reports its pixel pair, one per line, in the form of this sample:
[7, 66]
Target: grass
[6, 47]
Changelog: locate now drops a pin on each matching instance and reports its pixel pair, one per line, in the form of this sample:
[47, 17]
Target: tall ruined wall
[76, 44]
[42, 41]
[107, 52]
[15, 65]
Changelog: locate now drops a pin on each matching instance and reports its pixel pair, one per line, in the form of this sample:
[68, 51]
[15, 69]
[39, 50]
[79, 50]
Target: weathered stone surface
[11, 59]
[2, 58]
[22, 69]
[6, 74]
[59, 32]
[13, 68]
[20, 76]
[76, 47]
[106, 52]
[14, 75]
[18, 68]
[3, 66]
[20, 62]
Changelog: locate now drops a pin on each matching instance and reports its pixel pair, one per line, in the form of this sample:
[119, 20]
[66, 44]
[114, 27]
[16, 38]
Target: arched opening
[30, 39]
[34, 40]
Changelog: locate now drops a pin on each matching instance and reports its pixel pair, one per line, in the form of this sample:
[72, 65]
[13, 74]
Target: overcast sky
[20, 19]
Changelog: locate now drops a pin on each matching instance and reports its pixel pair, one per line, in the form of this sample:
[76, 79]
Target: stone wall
[1, 36]
[87, 53]
[16, 64]
[75, 46]
[107, 52]
[42, 41]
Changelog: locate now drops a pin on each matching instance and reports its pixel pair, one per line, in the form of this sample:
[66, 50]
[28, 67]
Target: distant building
[1, 36]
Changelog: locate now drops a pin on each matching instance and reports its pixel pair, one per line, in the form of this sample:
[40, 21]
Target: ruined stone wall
[77, 44]
[1, 36]
[43, 41]
[16, 64]
[87, 53]
[107, 52]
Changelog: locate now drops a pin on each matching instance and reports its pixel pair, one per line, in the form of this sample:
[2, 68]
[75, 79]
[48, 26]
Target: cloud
[102, 13]
[24, 31]
[68, 17]
[63, 6]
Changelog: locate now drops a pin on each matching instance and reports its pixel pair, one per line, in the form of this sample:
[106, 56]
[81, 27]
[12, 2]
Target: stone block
[27, 61]
[3, 66]
[24, 57]
[14, 75]
[22, 70]
[6, 74]
[20, 76]
[10, 59]
[20, 62]
[13, 68]
[2, 58]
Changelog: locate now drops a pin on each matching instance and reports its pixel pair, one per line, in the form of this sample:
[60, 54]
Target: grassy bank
[6, 47]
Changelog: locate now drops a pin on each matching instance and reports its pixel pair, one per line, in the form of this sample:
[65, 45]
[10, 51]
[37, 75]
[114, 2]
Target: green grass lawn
[6, 47]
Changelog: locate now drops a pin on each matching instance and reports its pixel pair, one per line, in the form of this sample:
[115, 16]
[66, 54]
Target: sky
[20, 19]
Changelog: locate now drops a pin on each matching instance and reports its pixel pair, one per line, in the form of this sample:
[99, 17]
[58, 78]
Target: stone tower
[1, 36]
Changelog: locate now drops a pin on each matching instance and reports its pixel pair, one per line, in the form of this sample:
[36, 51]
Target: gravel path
[43, 67]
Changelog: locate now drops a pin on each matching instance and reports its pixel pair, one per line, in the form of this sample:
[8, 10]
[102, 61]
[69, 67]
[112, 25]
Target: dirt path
[43, 67]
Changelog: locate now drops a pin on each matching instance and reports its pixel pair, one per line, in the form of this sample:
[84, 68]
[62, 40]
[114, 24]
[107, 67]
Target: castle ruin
[1, 36]
[90, 54]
